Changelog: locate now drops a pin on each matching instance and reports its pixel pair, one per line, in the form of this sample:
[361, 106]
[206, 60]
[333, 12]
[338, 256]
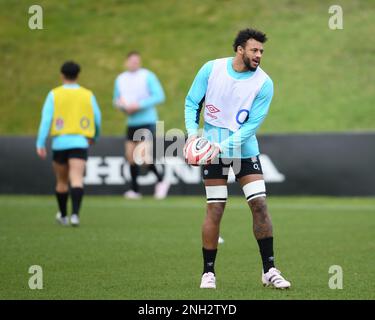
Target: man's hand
[42, 153]
[127, 107]
[121, 103]
[214, 153]
[132, 107]
[190, 139]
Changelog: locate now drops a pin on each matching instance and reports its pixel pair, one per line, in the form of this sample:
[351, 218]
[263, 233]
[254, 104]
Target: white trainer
[208, 281]
[74, 220]
[132, 195]
[221, 240]
[62, 220]
[273, 278]
[161, 189]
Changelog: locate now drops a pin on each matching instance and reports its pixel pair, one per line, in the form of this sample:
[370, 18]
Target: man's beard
[247, 63]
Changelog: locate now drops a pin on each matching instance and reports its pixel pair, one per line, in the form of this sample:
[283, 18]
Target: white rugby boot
[161, 190]
[273, 278]
[62, 220]
[208, 281]
[132, 195]
[74, 220]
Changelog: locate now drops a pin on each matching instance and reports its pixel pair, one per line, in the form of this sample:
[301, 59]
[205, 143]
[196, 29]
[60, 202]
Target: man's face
[133, 63]
[252, 54]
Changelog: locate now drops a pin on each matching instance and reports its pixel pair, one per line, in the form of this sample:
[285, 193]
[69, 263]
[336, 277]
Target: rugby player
[236, 94]
[72, 115]
[137, 91]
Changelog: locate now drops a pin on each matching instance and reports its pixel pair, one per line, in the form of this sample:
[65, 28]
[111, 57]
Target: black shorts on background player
[144, 131]
[62, 156]
[240, 167]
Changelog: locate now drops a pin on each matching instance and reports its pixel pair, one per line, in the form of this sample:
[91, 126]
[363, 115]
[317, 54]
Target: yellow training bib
[73, 112]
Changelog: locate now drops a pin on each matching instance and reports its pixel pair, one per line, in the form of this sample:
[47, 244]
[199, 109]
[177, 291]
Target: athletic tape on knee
[254, 190]
[216, 194]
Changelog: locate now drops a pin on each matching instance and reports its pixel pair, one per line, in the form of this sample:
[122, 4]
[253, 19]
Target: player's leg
[60, 168]
[77, 166]
[162, 186]
[253, 185]
[215, 181]
[255, 193]
[130, 147]
[216, 191]
[144, 153]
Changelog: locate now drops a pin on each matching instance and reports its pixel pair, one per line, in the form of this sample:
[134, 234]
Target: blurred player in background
[72, 115]
[237, 94]
[137, 92]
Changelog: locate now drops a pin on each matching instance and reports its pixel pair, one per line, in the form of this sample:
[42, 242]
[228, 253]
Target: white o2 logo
[241, 116]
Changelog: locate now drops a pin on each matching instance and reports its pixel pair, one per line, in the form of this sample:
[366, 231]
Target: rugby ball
[198, 151]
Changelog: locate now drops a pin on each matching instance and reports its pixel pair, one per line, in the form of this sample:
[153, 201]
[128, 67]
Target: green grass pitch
[152, 249]
[323, 78]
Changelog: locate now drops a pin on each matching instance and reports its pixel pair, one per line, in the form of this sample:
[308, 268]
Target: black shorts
[240, 167]
[145, 132]
[62, 156]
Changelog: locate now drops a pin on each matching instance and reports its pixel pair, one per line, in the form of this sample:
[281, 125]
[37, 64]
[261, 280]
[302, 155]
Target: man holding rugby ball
[236, 94]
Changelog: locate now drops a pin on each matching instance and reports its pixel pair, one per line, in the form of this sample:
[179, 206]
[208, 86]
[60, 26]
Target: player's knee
[216, 199]
[131, 162]
[216, 209]
[62, 186]
[258, 205]
[77, 184]
[76, 181]
[215, 212]
[130, 158]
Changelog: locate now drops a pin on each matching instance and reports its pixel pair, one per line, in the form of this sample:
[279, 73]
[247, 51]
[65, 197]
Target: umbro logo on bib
[211, 108]
[59, 124]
